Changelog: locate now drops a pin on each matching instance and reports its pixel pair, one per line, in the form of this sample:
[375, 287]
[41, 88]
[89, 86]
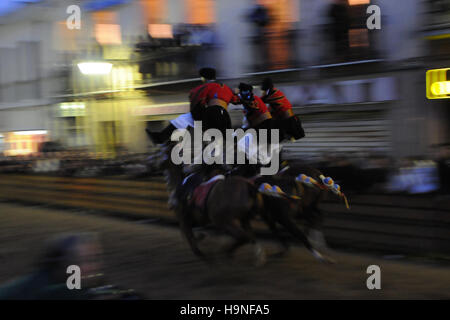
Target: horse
[231, 214]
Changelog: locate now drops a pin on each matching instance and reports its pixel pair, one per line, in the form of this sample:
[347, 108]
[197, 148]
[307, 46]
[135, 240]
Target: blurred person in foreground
[48, 282]
[284, 118]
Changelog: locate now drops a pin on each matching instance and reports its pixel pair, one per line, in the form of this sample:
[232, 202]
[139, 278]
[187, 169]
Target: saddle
[201, 192]
[186, 189]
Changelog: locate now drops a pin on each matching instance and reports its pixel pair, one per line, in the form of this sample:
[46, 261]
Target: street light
[94, 68]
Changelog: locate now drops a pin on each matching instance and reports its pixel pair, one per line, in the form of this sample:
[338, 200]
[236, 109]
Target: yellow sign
[438, 84]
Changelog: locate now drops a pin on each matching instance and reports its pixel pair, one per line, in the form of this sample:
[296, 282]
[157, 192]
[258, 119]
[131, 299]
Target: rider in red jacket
[255, 110]
[281, 109]
[208, 103]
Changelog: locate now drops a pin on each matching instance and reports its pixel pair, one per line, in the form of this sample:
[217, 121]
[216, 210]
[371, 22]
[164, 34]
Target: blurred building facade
[357, 90]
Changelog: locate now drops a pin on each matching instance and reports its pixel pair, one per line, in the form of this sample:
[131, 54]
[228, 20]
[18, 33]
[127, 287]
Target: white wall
[30, 118]
[312, 47]
[131, 22]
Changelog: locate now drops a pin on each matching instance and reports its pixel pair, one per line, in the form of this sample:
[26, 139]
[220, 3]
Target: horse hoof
[317, 239]
[332, 261]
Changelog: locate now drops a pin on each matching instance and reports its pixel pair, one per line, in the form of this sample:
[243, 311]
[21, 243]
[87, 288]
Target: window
[108, 34]
[358, 2]
[160, 31]
[200, 11]
[154, 10]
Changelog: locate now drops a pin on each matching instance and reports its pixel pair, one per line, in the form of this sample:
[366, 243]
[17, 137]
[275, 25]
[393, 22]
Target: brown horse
[231, 204]
[305, 210]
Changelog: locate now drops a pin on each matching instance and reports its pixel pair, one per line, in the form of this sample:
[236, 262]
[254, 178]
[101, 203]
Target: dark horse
[231, 205]
[306, 209]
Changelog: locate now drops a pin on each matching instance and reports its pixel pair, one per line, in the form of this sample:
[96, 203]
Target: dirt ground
[155, 261]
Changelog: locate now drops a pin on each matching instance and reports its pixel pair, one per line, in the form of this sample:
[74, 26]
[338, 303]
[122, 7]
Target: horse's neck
[174, 176]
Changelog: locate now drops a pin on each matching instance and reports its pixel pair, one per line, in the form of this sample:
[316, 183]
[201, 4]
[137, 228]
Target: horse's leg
[239, 235]
[268, 212]
[241, 238]
[295, 231]
[245, 224]
[273, 228]
[314, 229]
[314, 221]
[185, 218]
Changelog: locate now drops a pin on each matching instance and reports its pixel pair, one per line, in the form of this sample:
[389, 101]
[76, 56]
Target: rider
[208, 103]
[281, 109]
[258, 117]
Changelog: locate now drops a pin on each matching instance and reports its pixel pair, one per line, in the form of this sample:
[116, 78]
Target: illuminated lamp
[440, 88]
[438, 83]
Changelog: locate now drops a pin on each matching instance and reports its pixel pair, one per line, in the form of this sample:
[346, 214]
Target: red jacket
[212, 93]
[256, 111]
[280, 107]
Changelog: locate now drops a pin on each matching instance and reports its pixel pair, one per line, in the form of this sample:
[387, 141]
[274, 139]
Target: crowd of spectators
[80, 163]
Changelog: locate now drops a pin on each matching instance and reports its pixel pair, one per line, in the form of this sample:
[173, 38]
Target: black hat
[207, 73]
[246, 91]
[245, 87]
[267, 84]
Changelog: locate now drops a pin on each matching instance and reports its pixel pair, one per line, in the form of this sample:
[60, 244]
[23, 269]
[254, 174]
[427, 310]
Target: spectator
[49, 279]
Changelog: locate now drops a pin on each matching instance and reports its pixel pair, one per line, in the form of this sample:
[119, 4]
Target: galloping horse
[231, 204]
[307, 208]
